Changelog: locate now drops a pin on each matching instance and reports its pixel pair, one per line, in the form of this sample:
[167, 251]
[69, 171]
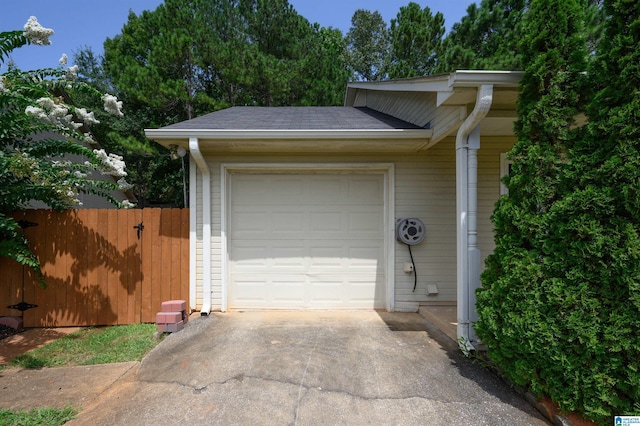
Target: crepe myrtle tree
[47, 151]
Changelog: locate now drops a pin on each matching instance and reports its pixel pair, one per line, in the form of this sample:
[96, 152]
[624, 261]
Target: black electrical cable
[415, 273]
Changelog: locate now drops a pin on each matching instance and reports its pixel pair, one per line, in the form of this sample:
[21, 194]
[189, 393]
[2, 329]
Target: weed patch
[37, 417]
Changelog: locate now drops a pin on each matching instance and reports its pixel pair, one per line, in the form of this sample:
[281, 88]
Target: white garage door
[306, 241]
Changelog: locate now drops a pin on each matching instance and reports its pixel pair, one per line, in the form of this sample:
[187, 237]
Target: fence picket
[184, 254]
[80, 271]
[92, 286]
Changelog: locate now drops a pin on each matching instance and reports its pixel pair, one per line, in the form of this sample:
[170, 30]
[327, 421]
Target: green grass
[93, 345]
[37, 417]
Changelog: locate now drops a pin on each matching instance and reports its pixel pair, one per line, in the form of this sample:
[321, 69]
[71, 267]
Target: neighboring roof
[294, 118]
[89, 201]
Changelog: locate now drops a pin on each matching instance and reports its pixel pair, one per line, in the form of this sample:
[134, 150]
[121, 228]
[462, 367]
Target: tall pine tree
[368, 45]
[416, 37]
[486, 38]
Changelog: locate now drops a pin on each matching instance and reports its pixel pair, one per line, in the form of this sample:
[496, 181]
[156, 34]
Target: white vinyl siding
[425, 188]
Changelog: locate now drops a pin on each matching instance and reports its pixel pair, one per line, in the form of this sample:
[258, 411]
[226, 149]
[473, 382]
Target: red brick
[170, 328]
[13, 322]
[174, 306]
[168, 317]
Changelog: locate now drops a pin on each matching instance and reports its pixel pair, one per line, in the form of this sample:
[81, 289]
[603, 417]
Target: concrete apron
[310, 368]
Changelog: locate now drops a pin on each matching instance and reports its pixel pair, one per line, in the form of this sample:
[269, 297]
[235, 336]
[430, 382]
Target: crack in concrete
[304, 375]
[303, 390]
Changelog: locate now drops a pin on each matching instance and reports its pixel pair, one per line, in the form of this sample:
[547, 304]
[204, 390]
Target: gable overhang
[442, 102]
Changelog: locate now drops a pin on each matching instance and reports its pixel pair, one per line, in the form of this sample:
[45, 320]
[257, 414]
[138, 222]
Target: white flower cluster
[36, 33]
[64, 165]
[72, 73]
[86, 116]
[55, 112]
[50, 111]
[112, 105]
[88, 138]
[65, 189]
[3, 89]
[63, 59]
[126, 204]
[113, 164]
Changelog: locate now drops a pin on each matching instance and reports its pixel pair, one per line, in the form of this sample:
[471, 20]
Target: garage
[306, 240]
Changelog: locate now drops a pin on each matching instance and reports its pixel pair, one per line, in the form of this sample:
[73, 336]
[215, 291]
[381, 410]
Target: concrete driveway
[310, 368]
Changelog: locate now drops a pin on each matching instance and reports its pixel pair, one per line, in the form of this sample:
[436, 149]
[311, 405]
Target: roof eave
[287, 134]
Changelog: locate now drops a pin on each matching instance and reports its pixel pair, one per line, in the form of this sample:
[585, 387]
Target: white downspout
[194, 148]
[193, 235]
[466, 211]
[472, 228]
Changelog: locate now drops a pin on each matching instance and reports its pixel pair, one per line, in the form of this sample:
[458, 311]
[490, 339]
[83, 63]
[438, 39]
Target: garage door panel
[326, 292]
[248, 255]
[285, 249]
[314, 243]
[367, 221]
[343, 292]
[266, 255]
[287, 265]
[258, 196]
[254, 291]
[319, 263]
[287, 291]
[326, 188]
[249, 290]
[250, 223]
[363, 190]
[326, 221]
[287, 221]
[352, 296]
[285, 189]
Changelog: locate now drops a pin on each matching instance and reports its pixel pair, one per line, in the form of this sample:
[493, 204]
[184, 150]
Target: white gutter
[193, 234]
[473, 78]
[194, 148]
[468, 255]
[286, 134]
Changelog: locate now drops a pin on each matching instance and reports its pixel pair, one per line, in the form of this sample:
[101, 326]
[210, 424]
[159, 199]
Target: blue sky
[79, 23]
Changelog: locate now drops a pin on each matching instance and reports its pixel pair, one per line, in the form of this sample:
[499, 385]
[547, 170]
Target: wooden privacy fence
[102, 267]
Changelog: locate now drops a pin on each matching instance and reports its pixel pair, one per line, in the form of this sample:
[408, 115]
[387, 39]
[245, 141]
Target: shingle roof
[294, 118]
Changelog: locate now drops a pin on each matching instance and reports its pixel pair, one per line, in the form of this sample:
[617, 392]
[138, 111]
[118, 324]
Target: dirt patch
[29, 339]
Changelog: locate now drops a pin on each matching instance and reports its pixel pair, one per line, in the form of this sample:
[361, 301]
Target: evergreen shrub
[559, 309]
